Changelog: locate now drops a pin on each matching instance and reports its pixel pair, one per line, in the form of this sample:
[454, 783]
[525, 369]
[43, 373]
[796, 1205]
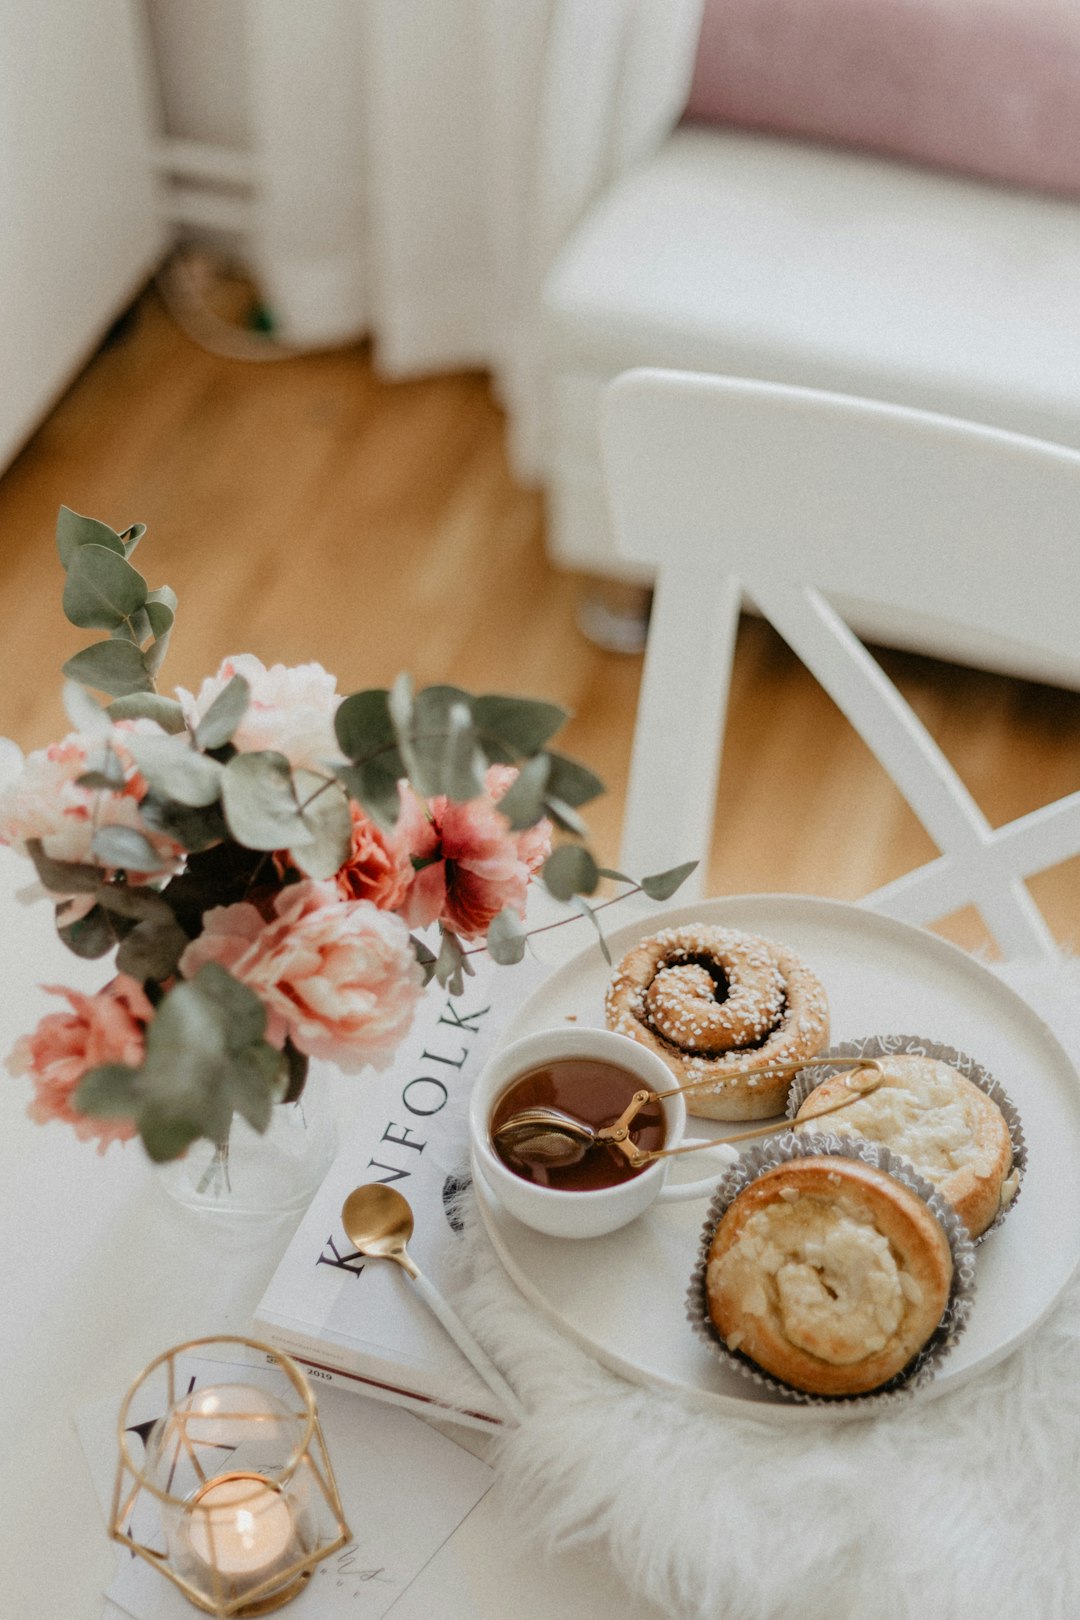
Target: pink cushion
[991, 87]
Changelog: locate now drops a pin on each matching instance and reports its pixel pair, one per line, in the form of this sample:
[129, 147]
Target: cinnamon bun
[717, 1004]
[942, 1123]
[828, 1274]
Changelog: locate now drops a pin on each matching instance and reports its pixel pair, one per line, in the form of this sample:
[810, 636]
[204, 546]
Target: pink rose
[470, 863]
[45, 801]
[291, 709]
[339, 977]
[378, 868]
[109, 1027]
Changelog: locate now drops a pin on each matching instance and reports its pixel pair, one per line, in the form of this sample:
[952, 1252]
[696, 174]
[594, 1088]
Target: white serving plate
[622, 1297]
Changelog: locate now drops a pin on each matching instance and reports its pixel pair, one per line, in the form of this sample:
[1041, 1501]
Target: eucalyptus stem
[436, 736]
[218, 1166]
[560, 922]
[266, 856]
[327, 782]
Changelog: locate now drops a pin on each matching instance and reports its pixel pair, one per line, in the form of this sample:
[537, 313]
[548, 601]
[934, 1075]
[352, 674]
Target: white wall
[79, 230]
[201, 53]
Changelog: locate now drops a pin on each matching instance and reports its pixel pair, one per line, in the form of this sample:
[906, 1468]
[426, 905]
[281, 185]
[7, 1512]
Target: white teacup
[572, 1214]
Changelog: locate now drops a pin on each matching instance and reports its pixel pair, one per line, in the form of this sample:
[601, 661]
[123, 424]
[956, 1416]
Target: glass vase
[254, 1177]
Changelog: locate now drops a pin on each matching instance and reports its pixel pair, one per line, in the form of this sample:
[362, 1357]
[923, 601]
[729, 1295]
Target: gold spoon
[864, 1079]
[545, 1135]
[378, 1222]
[549, 1136]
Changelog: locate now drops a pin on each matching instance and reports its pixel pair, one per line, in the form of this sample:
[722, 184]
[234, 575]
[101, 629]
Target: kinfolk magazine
[354, 1321]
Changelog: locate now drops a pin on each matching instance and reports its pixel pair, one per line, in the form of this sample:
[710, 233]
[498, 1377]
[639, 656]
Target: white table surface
[98, 1275]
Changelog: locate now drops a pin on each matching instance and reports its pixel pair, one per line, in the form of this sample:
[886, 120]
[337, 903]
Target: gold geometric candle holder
[234, 1498]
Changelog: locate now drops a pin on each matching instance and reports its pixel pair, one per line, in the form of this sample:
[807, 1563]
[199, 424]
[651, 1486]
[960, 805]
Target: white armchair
[724, 250]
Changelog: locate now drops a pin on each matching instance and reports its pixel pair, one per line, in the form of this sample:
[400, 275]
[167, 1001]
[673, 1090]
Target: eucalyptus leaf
[102, 590]
[587, 911]
[573, 783]
[242, 1013]
[433, 706]
[86, 713]
[73, 530]
[425, 759]
[62, 877]
[90, 936]
[165, 1136]
[662, 885]
[97, 780]
[154, 655]
[363, 725]
[130, 537]
[451, 964]
[616, 877]
[177, 771]
[463, 763]
[374, 786]
[115, 667]
[436, 741]
[506, 937]
[425, 956]
[153, 949]
[107, 769]
[439, 746]
[149, 706]
[125, 848]
[221, 719]
[260, 804]
[108, 1092]
[295, 1071]
[324, 807]
[138, 626]
[365, 732]
[161, 608]
[219, 1100]
[400, 703]
[259, 1080]
[135, 900]
[566, 818]
[570, 870]
[521, 725]
[195, 830]
[205, 1057]
[523, 801]
[160, 614]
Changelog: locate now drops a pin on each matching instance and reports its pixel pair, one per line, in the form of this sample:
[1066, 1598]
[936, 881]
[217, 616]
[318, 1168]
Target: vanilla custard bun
[949, 1129]
[829, 1274]
[717, 1004]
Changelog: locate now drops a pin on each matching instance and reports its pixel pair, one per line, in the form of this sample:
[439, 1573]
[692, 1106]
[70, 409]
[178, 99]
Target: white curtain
[422, 162]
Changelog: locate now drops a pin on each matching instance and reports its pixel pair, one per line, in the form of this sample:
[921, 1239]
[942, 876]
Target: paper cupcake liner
[868, 1046]
[782, 1150]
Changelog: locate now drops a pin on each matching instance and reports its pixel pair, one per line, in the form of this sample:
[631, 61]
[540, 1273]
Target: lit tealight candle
[243, 1528]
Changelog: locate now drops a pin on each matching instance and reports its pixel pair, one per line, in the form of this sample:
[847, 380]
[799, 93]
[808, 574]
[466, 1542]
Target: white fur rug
[962, 1508]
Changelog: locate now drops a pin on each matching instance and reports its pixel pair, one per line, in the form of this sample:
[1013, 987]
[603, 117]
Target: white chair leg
[679, 734]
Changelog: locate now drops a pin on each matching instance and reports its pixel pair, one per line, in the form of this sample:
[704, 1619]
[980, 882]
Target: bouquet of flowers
[259, 855]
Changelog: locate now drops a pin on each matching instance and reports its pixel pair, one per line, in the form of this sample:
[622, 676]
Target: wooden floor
[307, 510]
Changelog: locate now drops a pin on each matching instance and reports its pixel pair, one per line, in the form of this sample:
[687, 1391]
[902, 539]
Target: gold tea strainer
[551, 1137]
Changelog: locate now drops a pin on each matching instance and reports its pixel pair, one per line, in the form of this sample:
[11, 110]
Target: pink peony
[109, 1027]
[470, 864]
[378, 868]
[339, 977]
[291, 710]
[46, 802]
